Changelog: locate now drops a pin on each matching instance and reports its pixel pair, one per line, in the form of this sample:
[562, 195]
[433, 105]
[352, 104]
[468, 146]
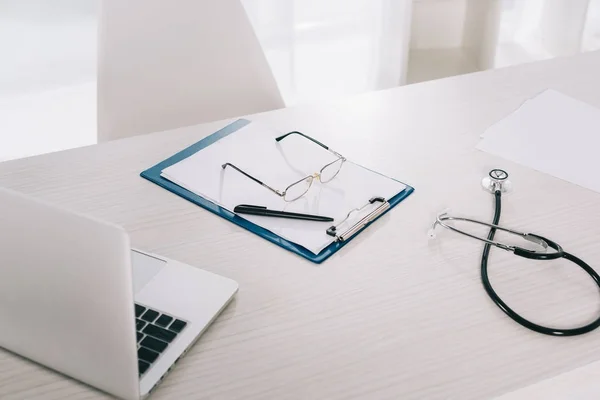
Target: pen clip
[241, 207]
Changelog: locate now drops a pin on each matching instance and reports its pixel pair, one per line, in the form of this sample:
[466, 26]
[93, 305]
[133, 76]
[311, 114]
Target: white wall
[437, 24]
[481, 31]
[450, 37]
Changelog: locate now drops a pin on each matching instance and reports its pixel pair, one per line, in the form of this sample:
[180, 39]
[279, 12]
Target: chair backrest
[166, 64]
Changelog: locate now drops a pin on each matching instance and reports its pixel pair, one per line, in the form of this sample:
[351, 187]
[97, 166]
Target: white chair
[167, 64]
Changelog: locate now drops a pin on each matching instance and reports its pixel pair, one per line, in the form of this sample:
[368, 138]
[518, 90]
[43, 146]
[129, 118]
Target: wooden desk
[391, 316]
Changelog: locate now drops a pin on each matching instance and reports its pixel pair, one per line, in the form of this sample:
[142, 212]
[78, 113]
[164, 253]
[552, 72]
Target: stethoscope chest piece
[497, 179]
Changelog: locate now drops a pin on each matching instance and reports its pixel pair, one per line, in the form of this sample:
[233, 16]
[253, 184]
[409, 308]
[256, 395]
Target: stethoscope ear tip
[431, 233]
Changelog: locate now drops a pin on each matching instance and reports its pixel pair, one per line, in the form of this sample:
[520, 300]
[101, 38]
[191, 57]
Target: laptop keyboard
[155, 331]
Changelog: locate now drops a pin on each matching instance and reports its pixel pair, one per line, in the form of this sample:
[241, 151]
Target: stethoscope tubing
[559, 253]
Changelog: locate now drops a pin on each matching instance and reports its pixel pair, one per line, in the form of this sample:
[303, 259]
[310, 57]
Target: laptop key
[143, 366]
[147, 355]
[159, 333]
[163, 320]
[177, 326]
[154, 344]
[140, 336]
[139, 324]
[139, 310]
[150, 315]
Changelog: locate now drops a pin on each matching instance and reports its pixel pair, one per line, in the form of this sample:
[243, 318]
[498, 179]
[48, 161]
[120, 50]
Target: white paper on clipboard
[278, 164]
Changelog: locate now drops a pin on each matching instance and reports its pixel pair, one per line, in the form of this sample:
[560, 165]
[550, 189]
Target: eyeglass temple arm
[280, 138]
[278, 192]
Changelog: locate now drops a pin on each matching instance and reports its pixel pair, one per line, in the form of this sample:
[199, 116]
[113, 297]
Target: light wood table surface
[392, 315]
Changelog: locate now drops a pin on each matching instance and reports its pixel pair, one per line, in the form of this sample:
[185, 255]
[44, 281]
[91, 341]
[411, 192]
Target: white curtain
[324, 49]
[46, 45]
[47, 76]
[541, 29]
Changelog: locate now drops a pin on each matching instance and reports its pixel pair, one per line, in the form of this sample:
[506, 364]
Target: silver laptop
[75, 297]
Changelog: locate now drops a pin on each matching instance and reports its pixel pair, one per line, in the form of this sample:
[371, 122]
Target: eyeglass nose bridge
[317, 175]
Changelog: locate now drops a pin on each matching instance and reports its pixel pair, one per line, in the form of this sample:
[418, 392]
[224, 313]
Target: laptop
[76, 298]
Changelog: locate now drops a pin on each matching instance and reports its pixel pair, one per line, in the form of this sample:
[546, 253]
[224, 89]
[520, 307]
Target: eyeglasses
[299, 188]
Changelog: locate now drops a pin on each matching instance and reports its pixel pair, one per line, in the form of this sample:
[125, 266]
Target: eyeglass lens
[330, 171]
[298, 189]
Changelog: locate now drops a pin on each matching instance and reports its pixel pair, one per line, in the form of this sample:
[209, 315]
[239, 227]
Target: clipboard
[153, 174]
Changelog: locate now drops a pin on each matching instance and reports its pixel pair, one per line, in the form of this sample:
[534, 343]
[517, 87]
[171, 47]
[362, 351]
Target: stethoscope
[497, 183]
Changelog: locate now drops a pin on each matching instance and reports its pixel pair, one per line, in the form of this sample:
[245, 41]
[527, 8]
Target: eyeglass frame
[312, 176]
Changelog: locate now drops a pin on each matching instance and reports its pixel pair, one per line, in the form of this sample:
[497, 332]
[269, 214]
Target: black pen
[263, 211]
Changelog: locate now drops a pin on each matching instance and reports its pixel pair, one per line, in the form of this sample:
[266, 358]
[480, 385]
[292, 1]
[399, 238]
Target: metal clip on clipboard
[354, 229]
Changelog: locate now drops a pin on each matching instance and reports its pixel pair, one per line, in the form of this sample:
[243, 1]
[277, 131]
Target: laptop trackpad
[144, 269]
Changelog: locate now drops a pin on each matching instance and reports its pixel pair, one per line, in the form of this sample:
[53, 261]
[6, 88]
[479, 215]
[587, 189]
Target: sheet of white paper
[552, 133]
[254, 150]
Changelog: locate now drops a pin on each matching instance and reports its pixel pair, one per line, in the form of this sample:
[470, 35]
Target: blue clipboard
[153, 175]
